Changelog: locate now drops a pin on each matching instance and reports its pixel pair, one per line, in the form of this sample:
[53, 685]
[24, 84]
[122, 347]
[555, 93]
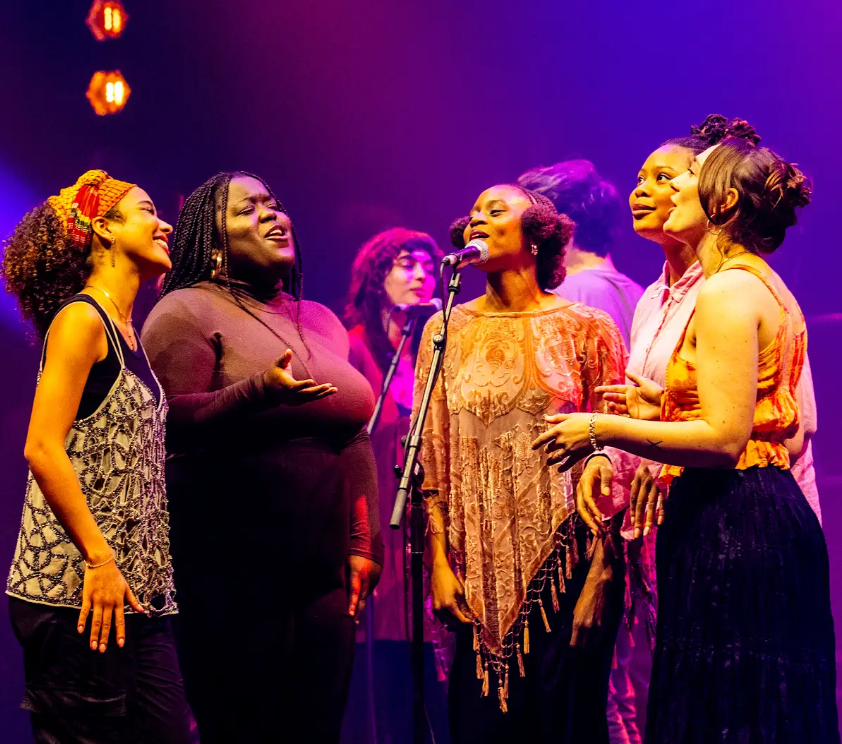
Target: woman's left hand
[568, 440]
[602, 594]
[363, 575]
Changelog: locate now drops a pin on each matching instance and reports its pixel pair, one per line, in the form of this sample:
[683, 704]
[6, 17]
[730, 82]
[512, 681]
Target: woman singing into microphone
[513, 567]
[394, 268]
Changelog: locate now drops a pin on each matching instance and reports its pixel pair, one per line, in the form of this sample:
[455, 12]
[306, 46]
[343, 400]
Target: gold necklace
[126, 321]
[730, 258]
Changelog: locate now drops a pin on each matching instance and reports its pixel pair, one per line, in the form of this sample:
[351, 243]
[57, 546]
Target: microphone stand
[410, 484]
[406, 332]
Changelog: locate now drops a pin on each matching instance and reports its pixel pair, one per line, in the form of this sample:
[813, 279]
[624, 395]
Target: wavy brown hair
[769, 190]
[367, 298]
[41, 267]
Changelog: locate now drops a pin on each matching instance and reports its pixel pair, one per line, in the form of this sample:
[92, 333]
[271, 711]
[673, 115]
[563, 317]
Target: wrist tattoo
[656, 445]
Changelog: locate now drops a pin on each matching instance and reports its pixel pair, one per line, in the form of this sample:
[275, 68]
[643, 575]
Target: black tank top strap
[111, 332]
[104, 374]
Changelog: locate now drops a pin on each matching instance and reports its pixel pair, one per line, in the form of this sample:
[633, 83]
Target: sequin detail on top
[779, 367]
[507, 513]
[118, 455]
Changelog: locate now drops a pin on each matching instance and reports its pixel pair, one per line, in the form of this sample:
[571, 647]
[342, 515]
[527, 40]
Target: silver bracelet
[592, 433]
[100, 565]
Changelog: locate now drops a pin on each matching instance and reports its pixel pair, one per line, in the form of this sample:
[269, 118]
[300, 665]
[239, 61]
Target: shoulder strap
[111, 331]
[759, 274]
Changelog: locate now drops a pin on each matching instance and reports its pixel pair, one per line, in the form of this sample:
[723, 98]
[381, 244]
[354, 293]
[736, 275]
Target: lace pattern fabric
[505, 508]
[118, 455]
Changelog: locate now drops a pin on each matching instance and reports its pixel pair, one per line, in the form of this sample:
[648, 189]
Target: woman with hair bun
[514, 570]
[659, 320]
[745, 647]
[94, 537]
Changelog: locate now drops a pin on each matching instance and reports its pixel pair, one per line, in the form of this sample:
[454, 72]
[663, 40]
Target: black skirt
[745, 649]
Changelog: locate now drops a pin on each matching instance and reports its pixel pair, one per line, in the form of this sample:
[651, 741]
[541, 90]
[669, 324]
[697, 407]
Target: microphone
[420, 308]
[476, 252]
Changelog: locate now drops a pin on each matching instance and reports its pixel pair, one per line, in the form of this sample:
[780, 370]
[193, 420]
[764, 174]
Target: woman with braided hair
[534, 597]
[745, 647]
[94, 535]
[273, 478]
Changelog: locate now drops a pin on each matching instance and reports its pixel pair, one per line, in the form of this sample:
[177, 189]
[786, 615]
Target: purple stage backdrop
[365, 115]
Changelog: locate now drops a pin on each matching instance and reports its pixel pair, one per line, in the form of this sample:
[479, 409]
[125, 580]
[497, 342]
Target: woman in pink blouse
[667, 304]
[659, 320]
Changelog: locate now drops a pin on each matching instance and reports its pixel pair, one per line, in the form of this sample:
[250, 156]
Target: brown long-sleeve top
[211, 355]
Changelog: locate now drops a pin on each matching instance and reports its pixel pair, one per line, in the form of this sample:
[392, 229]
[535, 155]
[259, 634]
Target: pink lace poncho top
[504, 506]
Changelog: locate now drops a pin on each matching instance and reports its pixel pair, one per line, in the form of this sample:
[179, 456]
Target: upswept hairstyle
[196, 236]
[577, 190]
[713, 130]
[367, 297]
[769, 191]
[42, 266]
[543, 227]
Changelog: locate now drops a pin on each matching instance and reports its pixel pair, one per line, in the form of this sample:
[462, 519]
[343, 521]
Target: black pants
[129, 695]
[279, 676]
[562, 697]
[260, 541]
[393, 697]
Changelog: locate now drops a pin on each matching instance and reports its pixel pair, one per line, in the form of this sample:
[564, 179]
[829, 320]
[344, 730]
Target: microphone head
[419, 309]
[480, 245]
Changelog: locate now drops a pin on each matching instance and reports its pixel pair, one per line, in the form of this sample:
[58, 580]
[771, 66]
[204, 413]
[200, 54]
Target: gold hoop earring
[216, 263]
[712, 232]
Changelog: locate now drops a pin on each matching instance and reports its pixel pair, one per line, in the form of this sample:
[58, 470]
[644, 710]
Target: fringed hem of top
[556, 570]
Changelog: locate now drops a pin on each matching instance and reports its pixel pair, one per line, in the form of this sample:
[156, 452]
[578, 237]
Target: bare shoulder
[78, 322]
[729, 281]
[735, 292]
[77, 330]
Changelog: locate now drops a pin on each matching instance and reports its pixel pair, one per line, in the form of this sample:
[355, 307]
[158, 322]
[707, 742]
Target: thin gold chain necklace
[132, 343]
[730, 258]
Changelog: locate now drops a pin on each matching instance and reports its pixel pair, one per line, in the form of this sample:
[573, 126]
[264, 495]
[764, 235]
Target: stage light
[108, 92]
[107, 19]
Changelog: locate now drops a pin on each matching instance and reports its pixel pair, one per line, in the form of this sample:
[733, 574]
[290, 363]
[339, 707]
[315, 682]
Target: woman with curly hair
[394, 267]
[745, 646]
[94, 535]
[535, 597]
[273, 479]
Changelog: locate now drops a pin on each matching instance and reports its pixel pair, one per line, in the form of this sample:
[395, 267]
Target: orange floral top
[779, 368]
[504, 505]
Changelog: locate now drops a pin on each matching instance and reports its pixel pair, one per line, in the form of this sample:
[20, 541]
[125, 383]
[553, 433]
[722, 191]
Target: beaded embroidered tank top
[779, 367]
[118, 455]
